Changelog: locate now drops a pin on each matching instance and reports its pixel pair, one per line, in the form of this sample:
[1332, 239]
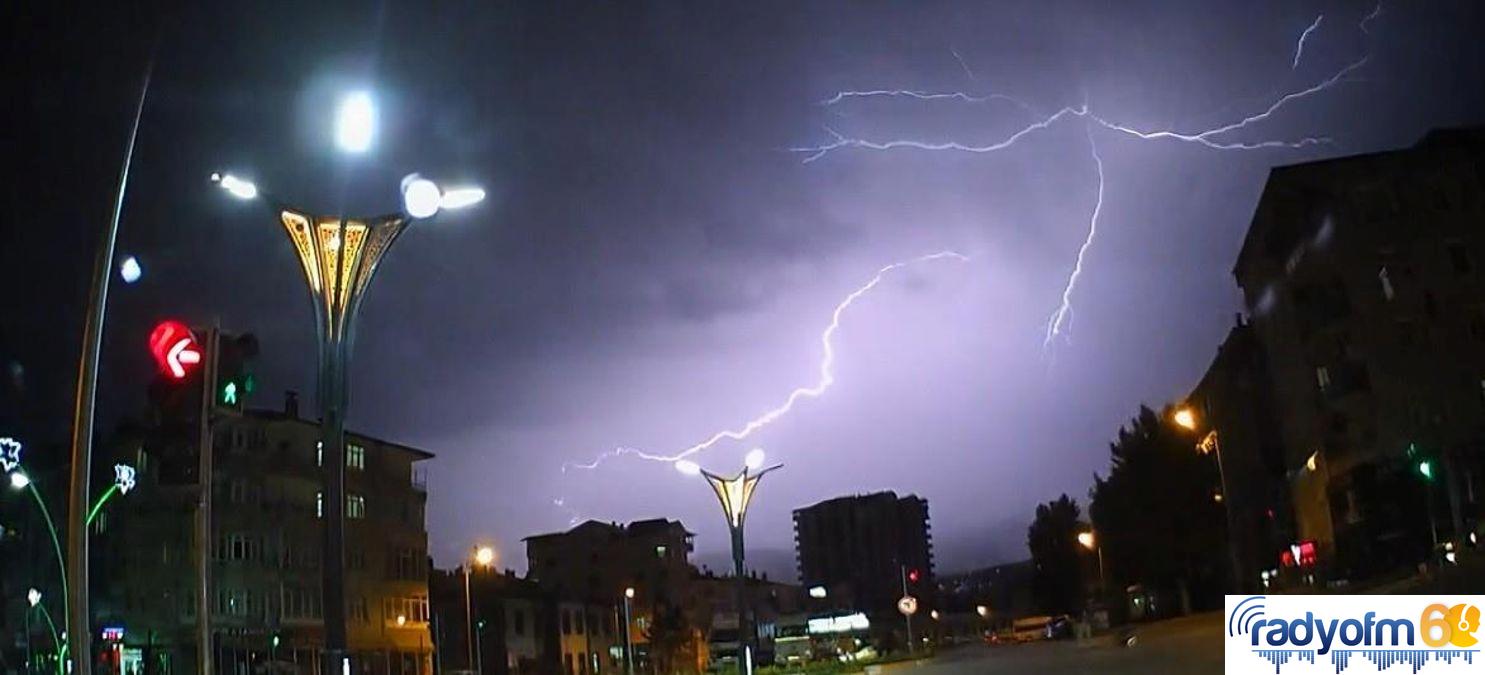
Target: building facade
[1365, 280]
[265, 552]
[862, 549]
[1234, 404]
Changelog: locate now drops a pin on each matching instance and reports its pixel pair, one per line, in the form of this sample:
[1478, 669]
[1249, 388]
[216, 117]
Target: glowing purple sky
[654, 265]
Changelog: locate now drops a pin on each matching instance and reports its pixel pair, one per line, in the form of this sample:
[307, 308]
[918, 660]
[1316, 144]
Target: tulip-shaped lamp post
[735, 494]
[339, 254]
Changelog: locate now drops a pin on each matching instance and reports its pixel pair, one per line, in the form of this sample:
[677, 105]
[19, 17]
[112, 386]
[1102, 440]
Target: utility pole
[203, 502]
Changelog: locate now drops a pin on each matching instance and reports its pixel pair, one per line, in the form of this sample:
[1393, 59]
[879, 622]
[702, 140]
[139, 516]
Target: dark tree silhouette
[1053, 540]
[1155, 513]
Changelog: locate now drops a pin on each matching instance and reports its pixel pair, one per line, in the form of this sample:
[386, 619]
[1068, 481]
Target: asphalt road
[1186, 645]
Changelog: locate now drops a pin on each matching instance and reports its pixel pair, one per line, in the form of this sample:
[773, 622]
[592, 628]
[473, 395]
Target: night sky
[656, 263]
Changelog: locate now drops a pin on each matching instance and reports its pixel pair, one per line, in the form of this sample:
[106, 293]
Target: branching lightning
[1062, 318]
[1215, 138]
[967, 72]
[924, 96]
[1376, 12]
[1299, 49]
[823, 382]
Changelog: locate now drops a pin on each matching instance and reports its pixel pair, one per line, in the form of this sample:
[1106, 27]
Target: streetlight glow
[129, 270]
[460, 197]
[33, 596]
[484, 556]
[1186, 418]
[688, 467]
[754, 458]
[982, 610]
[420, 196]
[355, 122]
[629, 592]
[237, 187]
[19, 480]
[1086, 539]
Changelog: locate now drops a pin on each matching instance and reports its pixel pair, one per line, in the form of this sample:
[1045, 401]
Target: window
[299, 602]
[358, 610]
[237, 602]
[239, 547]
[405, 564]
[1322, 377]
[319, 505]
[415, 608]
[567, 626]
[355, 456]
[1459, 258]
[660, 552]
[319, 453]
[1387, 290]
[581, 621]
[518, 617]
[355, 507]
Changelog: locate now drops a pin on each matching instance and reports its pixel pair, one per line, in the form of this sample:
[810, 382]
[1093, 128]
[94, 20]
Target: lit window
[1322, 377]
[355, 506]
[355, 456]
[1382, 276]
[319, 505]
[660, 552]
[319, 453]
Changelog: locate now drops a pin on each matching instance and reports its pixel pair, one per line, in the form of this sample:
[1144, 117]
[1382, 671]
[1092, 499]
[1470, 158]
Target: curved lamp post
[339, 255]
[735, 494]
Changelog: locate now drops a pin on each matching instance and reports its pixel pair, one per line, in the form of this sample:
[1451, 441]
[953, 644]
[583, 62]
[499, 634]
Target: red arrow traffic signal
[174, 348]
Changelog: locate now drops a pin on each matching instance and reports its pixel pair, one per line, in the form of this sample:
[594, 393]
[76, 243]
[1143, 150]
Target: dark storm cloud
[653, 265]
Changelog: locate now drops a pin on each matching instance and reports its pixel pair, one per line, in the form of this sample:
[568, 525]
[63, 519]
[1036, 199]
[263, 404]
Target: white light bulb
[33, 596]
[420, 197]
[129, 269]
[237, 187]
[355, 122]
[687, 467]
[19, 480]
[754, 458]
[457, 198]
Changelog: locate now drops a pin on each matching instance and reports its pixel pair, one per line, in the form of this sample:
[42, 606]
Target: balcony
[420, 480]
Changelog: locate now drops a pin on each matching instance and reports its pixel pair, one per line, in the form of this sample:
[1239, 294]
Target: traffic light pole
[902, 570]
[204, 649]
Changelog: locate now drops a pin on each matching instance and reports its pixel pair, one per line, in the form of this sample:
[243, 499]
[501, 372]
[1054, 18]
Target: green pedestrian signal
[229, 393]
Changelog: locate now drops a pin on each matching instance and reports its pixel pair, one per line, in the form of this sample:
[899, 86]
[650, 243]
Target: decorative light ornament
[10, 453]
[123, 477]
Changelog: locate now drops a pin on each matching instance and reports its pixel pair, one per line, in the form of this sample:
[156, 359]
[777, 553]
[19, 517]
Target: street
[1187, 645]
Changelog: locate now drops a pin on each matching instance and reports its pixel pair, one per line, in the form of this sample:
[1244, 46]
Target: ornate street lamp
[735, 494]
[339, 255]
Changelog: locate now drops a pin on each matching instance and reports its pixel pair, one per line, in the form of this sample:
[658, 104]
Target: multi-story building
[265, 551]
[1365, 280]
[714, 606]
[521, 629]
[597, 561]
[862, 549]
[1234, 404]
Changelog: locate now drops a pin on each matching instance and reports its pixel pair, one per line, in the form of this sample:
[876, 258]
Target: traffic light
[175, 349]
[235, 356]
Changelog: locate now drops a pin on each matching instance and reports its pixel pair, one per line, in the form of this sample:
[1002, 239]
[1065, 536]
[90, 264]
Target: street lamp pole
[1210, 443]
[628, 636]
[339, 255]
[76, 588]
[484, 556]
[735, 494]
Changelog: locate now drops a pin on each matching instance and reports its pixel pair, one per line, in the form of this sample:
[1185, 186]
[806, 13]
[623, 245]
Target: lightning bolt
[1063, 316]
[924, 96]
[1299, 49]
[823, 382]
[1213, 138]
[967, 72]
[1376, 12]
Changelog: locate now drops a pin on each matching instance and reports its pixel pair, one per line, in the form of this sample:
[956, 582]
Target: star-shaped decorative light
[123, 476]
[10, 454]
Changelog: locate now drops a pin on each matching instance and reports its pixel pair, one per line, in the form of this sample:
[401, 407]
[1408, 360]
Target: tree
[673, 641]
[1156, 514]
[1053, 540]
